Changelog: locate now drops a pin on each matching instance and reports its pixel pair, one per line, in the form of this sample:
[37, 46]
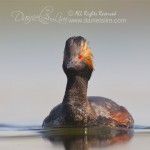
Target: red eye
[80, 57]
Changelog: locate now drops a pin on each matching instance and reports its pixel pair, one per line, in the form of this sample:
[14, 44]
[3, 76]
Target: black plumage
[76, 109]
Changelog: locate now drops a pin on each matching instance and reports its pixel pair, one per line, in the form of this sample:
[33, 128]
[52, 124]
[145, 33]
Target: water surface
[34, 137]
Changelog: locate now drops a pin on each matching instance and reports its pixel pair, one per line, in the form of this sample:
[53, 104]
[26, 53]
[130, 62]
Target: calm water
[34, 137]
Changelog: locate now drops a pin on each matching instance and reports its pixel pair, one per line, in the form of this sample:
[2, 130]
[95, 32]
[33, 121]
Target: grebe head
[77, 58]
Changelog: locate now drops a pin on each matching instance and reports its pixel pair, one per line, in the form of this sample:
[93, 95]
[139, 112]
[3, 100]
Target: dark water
[34, 137]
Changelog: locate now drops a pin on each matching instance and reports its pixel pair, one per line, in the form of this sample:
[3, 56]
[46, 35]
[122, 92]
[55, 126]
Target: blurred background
[32, 81]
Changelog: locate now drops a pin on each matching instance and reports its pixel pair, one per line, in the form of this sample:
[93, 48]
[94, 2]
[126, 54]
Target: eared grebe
[76, 109]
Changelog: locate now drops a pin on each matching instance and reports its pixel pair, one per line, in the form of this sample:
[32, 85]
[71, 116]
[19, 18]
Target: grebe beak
[70, 65]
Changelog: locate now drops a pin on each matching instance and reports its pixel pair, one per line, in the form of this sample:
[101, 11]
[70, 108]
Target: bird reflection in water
[87, 138]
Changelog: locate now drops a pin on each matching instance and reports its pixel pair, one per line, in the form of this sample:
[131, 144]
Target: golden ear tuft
[87, 55]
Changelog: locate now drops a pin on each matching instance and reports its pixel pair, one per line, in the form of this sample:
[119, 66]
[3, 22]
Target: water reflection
[86, 138]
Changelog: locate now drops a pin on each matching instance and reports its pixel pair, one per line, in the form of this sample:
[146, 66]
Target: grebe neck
[76, 90]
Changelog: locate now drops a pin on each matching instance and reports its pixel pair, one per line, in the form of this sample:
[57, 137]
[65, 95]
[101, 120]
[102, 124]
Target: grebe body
[77, 109]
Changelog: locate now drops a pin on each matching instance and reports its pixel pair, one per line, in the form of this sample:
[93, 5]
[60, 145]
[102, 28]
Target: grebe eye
[80, 57]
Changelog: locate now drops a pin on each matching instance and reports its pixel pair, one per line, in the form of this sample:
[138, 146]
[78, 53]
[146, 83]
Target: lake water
[30, 138]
